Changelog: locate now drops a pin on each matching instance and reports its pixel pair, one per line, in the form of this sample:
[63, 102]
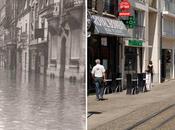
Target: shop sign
[109, 26]
[131, 22]
[135, 43]
[124, 5]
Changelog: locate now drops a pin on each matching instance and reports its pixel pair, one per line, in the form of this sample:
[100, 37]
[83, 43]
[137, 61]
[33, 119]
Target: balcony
[49, 8]
[7, 38]
[138, 32]
[153, 4]
[168, 34]
[138, 1]
[69, 4]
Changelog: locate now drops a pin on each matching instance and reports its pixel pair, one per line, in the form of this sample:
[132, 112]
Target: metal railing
[141, 1]
[72, 3]
[138, 1]
[170, 34]
[7, 38]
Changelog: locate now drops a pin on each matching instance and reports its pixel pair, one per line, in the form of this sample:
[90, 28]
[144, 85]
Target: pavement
[108, 114]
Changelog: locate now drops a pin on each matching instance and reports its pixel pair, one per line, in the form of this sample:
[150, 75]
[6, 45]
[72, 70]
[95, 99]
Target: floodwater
[36, 102]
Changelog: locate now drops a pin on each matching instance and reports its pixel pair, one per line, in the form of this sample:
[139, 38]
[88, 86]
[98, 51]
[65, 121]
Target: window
[89, 3]
[26, 27]
[109, 6]
[42, 26]
[139, 15]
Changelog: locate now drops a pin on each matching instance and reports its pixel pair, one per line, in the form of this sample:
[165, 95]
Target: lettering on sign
[109, 23]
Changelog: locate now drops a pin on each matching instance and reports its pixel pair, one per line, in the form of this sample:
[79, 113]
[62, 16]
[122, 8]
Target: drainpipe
[160, 58]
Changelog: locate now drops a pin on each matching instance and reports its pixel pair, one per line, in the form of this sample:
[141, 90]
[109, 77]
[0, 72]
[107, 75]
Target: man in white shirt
[98, 73]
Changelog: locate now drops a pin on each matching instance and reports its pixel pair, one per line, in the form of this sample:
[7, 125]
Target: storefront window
[131, 60]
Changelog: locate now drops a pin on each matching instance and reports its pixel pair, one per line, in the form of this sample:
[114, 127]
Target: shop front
[106, 43]
[134, 53]
[134, 57]
[166, 64]
[167, 59]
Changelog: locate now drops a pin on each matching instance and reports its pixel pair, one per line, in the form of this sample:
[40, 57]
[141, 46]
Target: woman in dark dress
[150, 69]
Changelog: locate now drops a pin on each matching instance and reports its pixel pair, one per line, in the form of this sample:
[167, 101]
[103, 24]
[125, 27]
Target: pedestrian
[149, 76]
[98, 73]
[150, 70]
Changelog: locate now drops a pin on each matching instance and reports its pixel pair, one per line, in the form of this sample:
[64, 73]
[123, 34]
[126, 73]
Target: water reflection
[33, 102]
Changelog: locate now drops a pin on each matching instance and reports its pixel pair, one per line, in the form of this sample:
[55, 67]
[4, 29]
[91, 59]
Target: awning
[107, 26]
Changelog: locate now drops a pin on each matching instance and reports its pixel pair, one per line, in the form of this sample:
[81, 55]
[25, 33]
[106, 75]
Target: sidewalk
[117, 105]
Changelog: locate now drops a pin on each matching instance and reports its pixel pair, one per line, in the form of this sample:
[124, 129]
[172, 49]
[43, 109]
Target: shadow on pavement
[92, 113]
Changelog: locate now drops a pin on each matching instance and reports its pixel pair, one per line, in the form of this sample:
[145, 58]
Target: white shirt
[98, 70]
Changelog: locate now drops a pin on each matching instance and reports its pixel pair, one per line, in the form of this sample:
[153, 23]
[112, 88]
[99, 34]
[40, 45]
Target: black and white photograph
[42, 65]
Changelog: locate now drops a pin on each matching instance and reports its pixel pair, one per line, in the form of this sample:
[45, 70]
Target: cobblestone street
[39, 103]
[120, 111]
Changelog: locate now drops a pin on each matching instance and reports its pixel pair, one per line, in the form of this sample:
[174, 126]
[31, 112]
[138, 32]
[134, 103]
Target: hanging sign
[124, 5]
[131, 22]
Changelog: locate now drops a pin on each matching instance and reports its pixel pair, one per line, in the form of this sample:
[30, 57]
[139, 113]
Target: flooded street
[33, 102]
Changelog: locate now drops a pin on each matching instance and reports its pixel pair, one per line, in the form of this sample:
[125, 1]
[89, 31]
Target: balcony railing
[138, 1]
[153, 3]
[141, 1]
[72, 3]
[138, 32]
[169, 6]
[7, 38]
[169, 34]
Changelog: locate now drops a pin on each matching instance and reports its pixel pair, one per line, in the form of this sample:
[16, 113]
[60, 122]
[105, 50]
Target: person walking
[149, 76]
[98, 73]
[150, 70]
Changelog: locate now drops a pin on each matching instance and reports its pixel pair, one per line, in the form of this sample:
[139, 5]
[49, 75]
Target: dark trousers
[99, 87]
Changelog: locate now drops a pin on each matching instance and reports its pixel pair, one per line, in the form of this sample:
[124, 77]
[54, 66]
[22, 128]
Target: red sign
[124, 5]
[124, 14]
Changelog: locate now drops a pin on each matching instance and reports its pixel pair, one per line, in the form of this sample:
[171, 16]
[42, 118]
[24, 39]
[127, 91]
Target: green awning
[108, 26]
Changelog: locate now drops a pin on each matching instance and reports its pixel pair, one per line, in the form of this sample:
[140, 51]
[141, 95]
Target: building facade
[2, 33]
[151, 37]
[66, 46]
[167, 39]
[106, 42]
[44, 36]
[23, 36]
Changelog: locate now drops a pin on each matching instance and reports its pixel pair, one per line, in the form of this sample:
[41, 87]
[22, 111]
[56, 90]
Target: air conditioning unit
[56, 10]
